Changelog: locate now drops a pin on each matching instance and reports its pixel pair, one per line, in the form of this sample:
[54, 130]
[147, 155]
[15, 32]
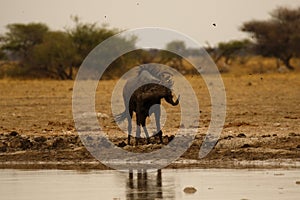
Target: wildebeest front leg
[147, 134]
[138, 121]
[157, 121]
[141, 121]
[129, 130]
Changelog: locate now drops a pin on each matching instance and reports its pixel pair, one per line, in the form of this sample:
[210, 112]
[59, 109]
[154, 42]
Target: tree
[124, 62]
[2, 55]
[277, 37]
[54, 56]
[55, 53]
[230, 49]
[176, 45]
[87, 36]
[168, 57]
[21, 38]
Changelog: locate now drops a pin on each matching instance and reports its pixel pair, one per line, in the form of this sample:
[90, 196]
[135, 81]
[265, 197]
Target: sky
[210, 21]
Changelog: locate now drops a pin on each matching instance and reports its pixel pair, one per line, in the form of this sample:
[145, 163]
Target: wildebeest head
[169, 97]
[156, 92]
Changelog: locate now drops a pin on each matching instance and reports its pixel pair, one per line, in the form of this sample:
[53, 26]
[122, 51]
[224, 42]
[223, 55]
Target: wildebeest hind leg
[147, 134]
[160, 136]
[157, 121]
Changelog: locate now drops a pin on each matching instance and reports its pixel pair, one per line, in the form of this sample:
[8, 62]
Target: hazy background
[194, 18]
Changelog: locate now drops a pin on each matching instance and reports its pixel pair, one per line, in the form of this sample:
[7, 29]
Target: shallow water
[165, 184]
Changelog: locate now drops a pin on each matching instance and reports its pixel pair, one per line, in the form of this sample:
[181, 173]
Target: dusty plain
[262, 124]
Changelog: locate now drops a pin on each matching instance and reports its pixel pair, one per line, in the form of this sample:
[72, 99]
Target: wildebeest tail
[121, 117]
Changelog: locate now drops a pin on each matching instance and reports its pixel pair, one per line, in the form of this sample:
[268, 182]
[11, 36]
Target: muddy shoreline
[67, 152]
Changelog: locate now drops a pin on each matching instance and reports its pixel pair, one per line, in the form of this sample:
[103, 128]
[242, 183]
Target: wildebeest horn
[171, 101]
[177, 101]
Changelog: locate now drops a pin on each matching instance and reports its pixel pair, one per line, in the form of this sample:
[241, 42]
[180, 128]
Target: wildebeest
[143, 98]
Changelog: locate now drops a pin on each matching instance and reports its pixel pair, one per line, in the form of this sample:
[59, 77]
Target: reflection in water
[225, 184]
[146, 187]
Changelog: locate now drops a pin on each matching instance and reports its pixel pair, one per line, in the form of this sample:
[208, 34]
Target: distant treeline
[34, 50]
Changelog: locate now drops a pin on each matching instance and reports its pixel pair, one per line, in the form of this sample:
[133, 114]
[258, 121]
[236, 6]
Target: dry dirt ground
[262, 123]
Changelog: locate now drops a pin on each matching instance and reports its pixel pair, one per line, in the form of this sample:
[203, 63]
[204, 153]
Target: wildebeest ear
[166, 75]
[167, 78]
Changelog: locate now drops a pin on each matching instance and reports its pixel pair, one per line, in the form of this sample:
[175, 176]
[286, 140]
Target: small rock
[79, 148]
[15, 143]
[241, 135]
[266, 136]
[298, 147]
[298, 182]
[72, 139]
[49, 144]
[3, 147]
[59, 143]
[13, 133]
[292, 134]
[78, 141]
[40, 139]
[156, 146]
[102, 115]
[189, 190]
[246, 146]
[26, 144]
[229, 137]
[276, 124]
[128, 148]
[274, 135]
[122, 144]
